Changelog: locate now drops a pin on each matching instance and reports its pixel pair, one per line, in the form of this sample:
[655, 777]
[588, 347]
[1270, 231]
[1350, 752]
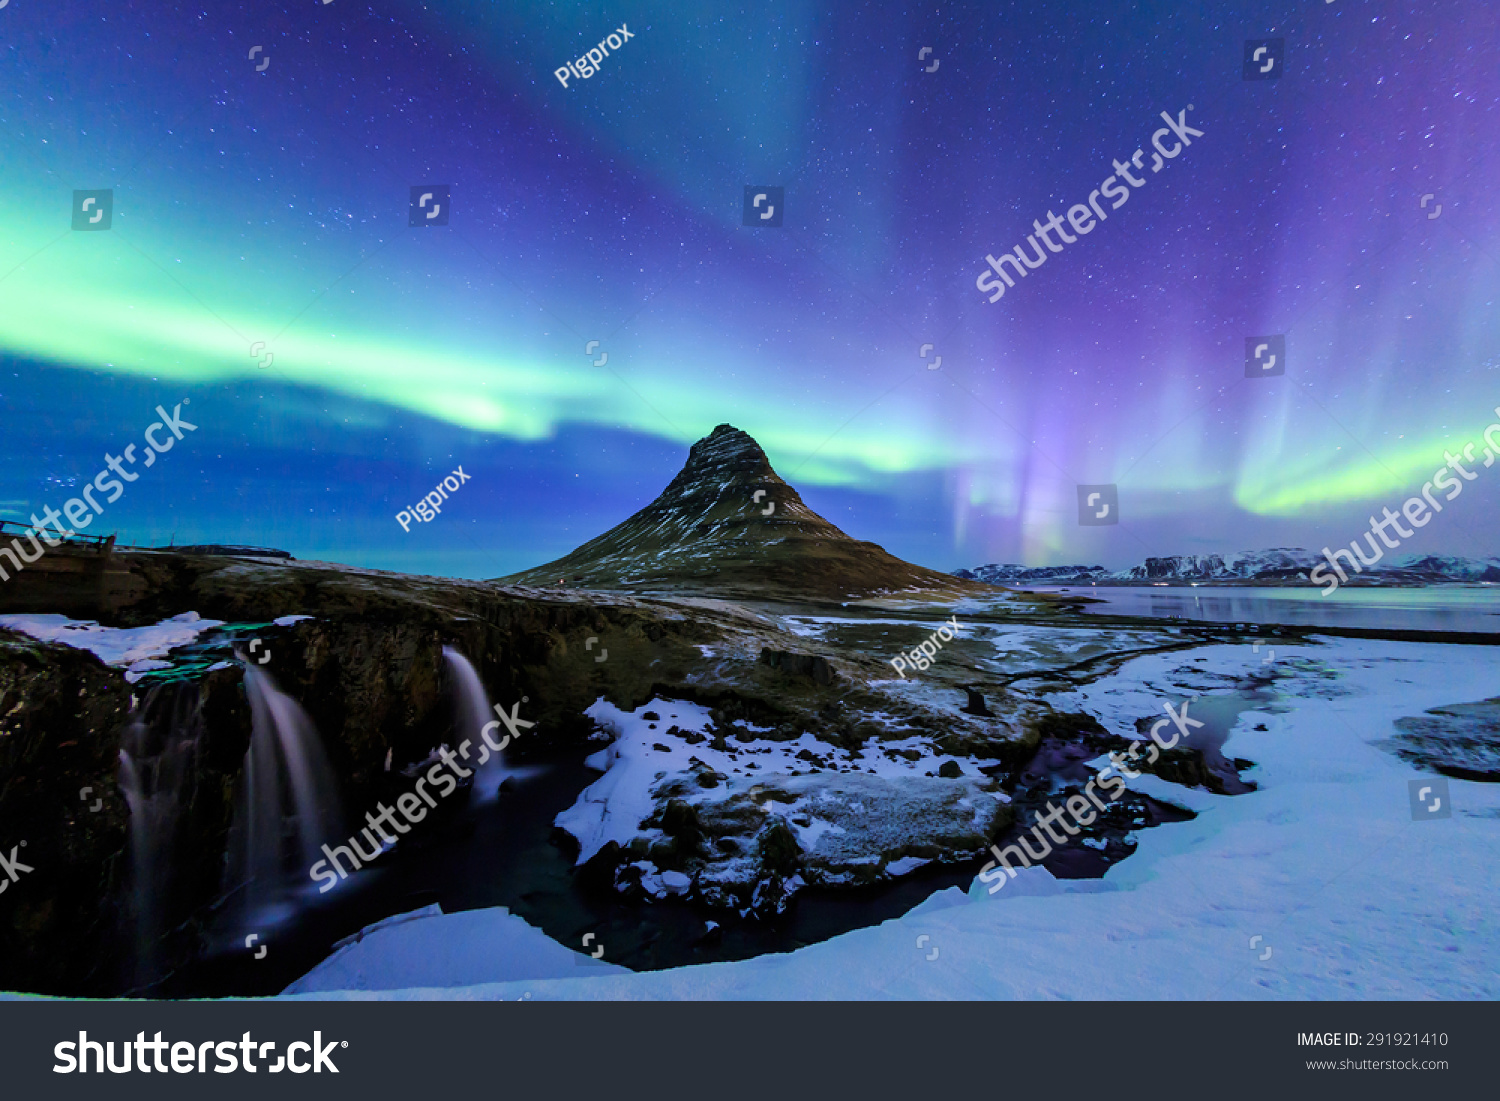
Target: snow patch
[118, 646]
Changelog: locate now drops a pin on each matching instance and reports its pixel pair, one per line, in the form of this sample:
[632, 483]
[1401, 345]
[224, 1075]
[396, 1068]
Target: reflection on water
[1446, 608]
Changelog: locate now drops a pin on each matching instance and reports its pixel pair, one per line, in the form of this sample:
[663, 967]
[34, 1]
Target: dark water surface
[503, 855]
[1474, 608]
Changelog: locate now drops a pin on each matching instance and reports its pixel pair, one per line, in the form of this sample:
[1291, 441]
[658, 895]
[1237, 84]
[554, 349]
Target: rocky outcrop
[1010, 574]
[974, 704]
[751, 850]
[1282, 563]
[813, 666]
[1461, 740]
[60, 809]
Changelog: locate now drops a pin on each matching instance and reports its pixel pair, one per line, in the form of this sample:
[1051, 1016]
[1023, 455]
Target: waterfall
[158, 768]
[286, 806]
[471, 708]
[287, 803]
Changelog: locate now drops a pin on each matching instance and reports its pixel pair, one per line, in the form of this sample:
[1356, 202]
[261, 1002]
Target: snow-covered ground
[1037, 644]
[1319, 885]
[815, 626]
[856, 815]
[643, 754]
[137, 649]
[474, 944]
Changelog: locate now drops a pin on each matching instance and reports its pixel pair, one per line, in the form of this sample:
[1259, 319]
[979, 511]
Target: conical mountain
[728, 522]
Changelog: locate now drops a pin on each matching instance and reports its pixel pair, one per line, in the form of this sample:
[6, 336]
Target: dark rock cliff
[369, 670]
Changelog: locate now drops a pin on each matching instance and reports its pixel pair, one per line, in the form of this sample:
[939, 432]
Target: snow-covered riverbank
[1318, 885]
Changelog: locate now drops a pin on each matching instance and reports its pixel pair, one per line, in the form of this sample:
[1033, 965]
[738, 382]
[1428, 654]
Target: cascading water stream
[472, 710]
[287, 804]
[158, 767]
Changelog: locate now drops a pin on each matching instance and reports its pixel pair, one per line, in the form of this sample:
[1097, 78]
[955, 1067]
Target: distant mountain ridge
[997, 574]
[728, 523]
[1283, 565]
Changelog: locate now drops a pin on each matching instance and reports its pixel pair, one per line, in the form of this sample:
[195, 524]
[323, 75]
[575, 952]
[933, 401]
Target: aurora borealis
[269, 204]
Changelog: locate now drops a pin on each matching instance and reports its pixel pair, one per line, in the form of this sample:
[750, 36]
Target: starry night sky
[271, 205]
